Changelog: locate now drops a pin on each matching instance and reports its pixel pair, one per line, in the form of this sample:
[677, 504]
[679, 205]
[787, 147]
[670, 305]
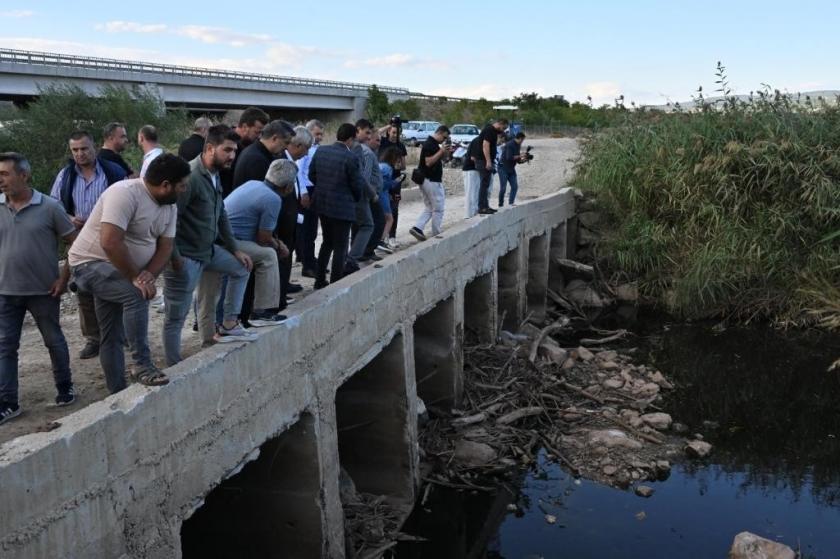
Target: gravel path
[550, 171]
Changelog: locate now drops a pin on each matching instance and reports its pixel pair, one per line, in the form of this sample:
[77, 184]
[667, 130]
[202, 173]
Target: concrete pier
[244, 447]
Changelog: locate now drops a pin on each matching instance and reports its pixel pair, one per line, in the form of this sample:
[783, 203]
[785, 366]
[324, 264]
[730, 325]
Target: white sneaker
[236, 334]
[393, 243]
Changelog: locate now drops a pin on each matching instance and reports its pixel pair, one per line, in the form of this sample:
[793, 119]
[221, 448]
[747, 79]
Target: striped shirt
[85, 193]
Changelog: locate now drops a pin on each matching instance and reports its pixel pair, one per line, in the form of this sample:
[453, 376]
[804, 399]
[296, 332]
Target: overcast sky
[650, 51]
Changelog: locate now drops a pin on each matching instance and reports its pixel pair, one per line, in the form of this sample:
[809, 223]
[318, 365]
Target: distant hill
[829, 95]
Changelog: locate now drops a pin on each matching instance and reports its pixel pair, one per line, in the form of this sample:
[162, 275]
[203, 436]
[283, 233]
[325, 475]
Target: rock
[641, 515]
[663, 467]
[698, 449]
[550, 518]
[570, 363]
[679, 428]
[644, 491]
[608, 355]
[613, 438]
[647, 389]
[512, 507]
[627, 292]
[609, 470]
[553, 353]
[587, 237]
[749, 546]
[614, 383]
[711, 425]
[609, 365]
[636, 422]
[581, 294]
[659, 421]
[590, 219]
[474, 454]
[584, 354]
[660, 379]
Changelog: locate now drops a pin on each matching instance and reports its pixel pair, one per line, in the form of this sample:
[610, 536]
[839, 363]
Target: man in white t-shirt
[147, 139]
[119, 253]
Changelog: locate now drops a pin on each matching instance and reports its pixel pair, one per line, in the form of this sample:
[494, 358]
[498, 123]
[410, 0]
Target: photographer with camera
[511, 156]
[429, 176]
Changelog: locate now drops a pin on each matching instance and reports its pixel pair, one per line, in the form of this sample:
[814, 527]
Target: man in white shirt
[147, 138]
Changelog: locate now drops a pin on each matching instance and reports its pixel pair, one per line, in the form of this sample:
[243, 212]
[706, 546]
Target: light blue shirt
[85, 193]
[252, 207]
[303, 171]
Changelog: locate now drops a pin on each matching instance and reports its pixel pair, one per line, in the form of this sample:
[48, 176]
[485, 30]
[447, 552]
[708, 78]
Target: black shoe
[90, 350]
[265, 318]
[66, 395]
[294, 288]
[383, 247]
[321, 284]
[417, 234]
[308, 273]
[8, 412]
[486, 211]
[373, 257]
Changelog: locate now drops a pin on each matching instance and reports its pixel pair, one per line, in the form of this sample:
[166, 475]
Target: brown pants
[87, 317]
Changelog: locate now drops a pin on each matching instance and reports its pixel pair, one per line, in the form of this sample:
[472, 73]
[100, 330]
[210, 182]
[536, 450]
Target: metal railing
[92, 63]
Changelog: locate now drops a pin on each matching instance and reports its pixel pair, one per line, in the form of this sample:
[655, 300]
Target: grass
[730, 210]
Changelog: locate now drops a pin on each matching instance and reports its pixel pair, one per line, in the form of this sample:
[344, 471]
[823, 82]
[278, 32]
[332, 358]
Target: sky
[649, 51]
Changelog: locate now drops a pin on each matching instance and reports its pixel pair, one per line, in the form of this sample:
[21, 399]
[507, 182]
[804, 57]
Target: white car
[463, 133]
[415, 132]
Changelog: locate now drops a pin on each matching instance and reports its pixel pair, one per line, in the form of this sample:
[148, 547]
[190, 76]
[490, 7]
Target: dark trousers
[378, 226]
[335, 240]
[395, 211]
[306, 234]
[87, 318]
[45, 310]
[285, 232]
[484, 176]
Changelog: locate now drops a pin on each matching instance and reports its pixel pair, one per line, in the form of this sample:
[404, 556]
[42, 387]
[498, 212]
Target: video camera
[396, 120]
[528, 155]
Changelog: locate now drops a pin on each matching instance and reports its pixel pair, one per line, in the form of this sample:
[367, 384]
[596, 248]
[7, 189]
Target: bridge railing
[93, 63]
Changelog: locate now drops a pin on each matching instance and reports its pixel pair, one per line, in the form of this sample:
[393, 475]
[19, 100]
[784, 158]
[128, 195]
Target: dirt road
[550, 171]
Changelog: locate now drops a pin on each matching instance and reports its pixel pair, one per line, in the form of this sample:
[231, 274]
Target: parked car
[419, 131]
[460, 133]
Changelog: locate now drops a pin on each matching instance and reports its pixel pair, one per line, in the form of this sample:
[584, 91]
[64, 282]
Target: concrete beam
[481, 306]
[558, 250]
[538, 250]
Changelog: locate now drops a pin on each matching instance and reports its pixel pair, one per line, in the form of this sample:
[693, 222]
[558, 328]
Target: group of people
[219, 222]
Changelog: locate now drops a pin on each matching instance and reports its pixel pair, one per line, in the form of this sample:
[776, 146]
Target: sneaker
[373, 257]
[235, 334]
[9, 412]
[417, 234]
[265, 318]
[383, 247]
[393, 243]
[294, 288]
[90, 351]
[66, 396]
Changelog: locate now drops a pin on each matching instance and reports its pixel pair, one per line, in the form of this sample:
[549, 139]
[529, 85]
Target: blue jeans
[506, 176]
[122, 313]
[45, 310]
[178, 293]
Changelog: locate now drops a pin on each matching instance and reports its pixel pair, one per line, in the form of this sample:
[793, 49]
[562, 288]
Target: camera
[396, 120]
[528, 155]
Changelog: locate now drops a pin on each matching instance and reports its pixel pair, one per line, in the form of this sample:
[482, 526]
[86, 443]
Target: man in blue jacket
[78, 187]
[335, 169]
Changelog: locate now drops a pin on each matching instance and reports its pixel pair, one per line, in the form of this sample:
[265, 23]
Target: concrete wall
[333, 386]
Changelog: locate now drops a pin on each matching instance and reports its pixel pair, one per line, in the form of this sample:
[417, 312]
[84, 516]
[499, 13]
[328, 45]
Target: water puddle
[762, 397]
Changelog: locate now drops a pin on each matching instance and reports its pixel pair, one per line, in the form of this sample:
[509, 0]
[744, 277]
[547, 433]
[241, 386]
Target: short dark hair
[363, 124]
[80, 134]
[520, 135]
[391, 156]
[442, 129]
[502, 121]
[345, 132]
[216, 135]
[167, 167]
[149, 132]
[21, 163]
[110, 129]
[278, 128]
[252, 115]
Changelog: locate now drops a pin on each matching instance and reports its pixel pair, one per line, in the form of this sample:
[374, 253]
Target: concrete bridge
[242, 450]
[22, 73]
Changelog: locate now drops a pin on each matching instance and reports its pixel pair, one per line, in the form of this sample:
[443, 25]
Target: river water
[762, 397]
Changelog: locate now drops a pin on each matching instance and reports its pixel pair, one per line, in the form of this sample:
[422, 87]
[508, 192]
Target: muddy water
[763, 398]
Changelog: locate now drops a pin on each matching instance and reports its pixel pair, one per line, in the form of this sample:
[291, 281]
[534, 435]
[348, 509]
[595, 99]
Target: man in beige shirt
[119, 253]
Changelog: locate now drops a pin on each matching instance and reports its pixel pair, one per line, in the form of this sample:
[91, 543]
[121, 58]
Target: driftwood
[548, 330]
[583, 270]
[619, 334]
[516, 415]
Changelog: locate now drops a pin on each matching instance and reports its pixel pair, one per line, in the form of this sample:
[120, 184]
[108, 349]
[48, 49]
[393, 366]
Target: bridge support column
[510, 288]
[557, 251]
[538, 251]
[439, 354]
[480, 307]
[377, 425]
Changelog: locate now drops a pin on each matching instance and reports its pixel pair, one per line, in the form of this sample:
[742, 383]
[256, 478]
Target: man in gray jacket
[202, 223]
[369, 166]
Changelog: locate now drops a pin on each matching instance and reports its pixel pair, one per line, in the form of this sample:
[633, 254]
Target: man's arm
[432, 159]
[162, 254]
[60, 285]
[112, 241]
[485, 148]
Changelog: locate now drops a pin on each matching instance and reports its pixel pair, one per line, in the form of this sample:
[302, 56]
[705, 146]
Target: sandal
[150, 376]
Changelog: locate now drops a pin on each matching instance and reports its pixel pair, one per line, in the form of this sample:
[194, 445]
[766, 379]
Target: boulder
[474, 454]
[659, 421]
[614, 383]
[609, 365]
[627, 292]
[553, 352]
[584, 354]
[609, 470]
[660, 379]
[698, 449]
[750, 546]
[583, 295]
[644, 491]
[613, 438]
[608, 355]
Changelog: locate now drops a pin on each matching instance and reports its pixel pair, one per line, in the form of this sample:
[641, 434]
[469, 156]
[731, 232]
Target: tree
[377, 105]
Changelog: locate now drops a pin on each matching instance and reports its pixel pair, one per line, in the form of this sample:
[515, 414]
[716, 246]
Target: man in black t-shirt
[431, 163]
[484, 154]
[114, 142]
